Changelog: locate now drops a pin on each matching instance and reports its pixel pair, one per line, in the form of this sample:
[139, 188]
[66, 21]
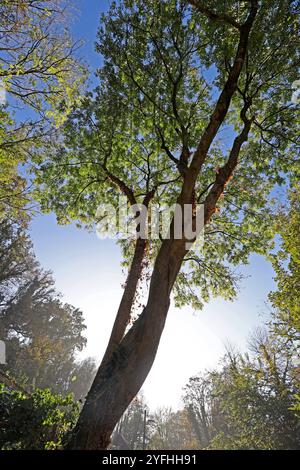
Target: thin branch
[212, 15]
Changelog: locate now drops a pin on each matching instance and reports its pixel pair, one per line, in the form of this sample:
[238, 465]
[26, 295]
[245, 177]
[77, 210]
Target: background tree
[16, 258]
[42, 334]
[40, 74]
[161, 429]
[286, 263]
[82, 375]
[129, 432]
[193, 105]
[202, 411]
[246, 403]
[172, 430]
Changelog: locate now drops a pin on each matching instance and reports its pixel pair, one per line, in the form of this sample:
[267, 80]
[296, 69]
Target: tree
[286, 263]
[129, 432]
[162, 429]
[16, 258]
[39, 72]
[41, 333]
[13, 194]
[82, 375]
[176, 74]
[172, 430]
[246, 403]
[201, 409]
[287, 268]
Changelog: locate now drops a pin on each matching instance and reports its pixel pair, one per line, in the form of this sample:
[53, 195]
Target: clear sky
[88, 274]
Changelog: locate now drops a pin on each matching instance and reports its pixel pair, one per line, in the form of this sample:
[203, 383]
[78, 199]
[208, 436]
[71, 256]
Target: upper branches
[155, 113]
[224, 174]
[222, 105]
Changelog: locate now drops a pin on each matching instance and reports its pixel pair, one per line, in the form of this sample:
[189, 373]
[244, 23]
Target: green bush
[36, 421]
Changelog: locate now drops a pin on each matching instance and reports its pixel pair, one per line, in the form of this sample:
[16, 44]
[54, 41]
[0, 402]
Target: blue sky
[88, 273]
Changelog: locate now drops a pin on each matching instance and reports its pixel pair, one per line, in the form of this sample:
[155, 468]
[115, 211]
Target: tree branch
[225, 173]
[212, 15]
[221, 107]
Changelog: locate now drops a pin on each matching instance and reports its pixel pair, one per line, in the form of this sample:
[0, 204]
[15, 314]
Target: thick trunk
[119, 380]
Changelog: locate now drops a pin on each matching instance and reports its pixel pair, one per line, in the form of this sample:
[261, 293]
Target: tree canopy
[136, 134]
[194, 105]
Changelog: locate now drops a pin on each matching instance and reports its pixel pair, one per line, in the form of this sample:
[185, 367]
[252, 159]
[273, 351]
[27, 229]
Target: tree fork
[120, 378]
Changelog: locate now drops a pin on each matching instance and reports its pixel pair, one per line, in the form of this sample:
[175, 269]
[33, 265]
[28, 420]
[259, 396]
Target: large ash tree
[193, 105]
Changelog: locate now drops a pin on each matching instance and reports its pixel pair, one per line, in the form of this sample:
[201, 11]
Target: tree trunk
[125, 307]
[119, 380]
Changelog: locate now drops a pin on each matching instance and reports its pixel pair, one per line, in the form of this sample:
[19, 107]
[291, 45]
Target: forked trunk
[123, 372]
[121, 377]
